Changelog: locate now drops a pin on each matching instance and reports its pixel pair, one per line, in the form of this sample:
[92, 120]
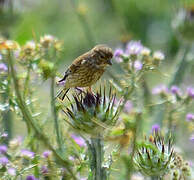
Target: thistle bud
[153, 158]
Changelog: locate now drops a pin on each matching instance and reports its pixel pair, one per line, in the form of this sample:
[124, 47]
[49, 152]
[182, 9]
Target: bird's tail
[61, 95]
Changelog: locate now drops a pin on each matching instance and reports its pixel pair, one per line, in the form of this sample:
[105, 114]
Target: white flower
[158, 55]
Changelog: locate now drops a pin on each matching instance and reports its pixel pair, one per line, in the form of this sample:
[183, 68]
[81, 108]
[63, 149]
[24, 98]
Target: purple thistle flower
[192, 138]
[4, 135]
[44, 169]
[155, 128]
[4, 161]
[189, 117]
[190, 92]
[134, 48]
[31, 177]
[3, 67]
[117, 54]
[11, 171]
[27, 154]
[79, 140]
[128, 106]
[160, 89]
[175, 90]
[46, 153]
[3, 149]
[138, 65]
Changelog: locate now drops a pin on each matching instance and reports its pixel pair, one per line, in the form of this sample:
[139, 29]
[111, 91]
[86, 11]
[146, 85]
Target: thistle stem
[7, 115]
[135, 135]
[84, 24]
[26, 83]
[29, 119]
[155, 178]
[96, 148]
[54, 112]
[181, 66]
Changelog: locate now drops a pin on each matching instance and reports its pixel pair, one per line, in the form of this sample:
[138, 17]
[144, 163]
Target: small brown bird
[86, 69]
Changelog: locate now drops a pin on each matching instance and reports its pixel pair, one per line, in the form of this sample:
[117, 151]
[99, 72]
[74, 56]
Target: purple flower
[3, 149]
[4, 135]
[192, 138]
[11, 171]
[71, 158]
[3, 161]
[27, 154]
[138, 65]
[160, 89]
[128, 106]
[1, 57]
[175, 90]
[134, 48]
[31, 177]
[189, 117]
[117, 54]
[190, 92]
[44, 169]
[3, 67]
[46, 153]
[155, 128]
[79, 140]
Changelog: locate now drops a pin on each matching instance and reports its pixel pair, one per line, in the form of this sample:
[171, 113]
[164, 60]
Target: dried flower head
[9, 45]
[92, 112]
[180, 168]
[29, 48]
[154, 157]
[47, 40]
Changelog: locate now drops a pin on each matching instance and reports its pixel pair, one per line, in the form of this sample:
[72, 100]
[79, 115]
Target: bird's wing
[75, 65]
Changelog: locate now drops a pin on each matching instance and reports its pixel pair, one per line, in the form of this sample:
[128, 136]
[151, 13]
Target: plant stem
[155, 178]
[181, 67]
[7, 115]
[54, 112]
[84, 24]
[29, 119]
[26, 83]
[135, 135]
[96, 149]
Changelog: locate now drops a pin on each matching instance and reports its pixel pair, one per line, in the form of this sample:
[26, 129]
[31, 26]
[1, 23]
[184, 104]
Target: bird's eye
[102, 56]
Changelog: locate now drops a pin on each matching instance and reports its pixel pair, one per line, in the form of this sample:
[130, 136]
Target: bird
[86, 69]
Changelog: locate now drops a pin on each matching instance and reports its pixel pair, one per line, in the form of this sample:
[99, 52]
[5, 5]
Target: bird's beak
[109, 62]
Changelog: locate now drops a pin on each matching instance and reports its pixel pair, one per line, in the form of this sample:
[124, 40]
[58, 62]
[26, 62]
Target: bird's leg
[90, 90]
[79, 90]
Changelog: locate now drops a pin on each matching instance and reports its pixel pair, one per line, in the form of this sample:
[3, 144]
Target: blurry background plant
[39, 60]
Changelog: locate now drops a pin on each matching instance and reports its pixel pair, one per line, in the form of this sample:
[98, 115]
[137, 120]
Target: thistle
[92, 113]
[154, 157]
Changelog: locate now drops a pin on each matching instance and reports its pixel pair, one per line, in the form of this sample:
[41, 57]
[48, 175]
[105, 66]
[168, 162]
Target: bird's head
[103, 54]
